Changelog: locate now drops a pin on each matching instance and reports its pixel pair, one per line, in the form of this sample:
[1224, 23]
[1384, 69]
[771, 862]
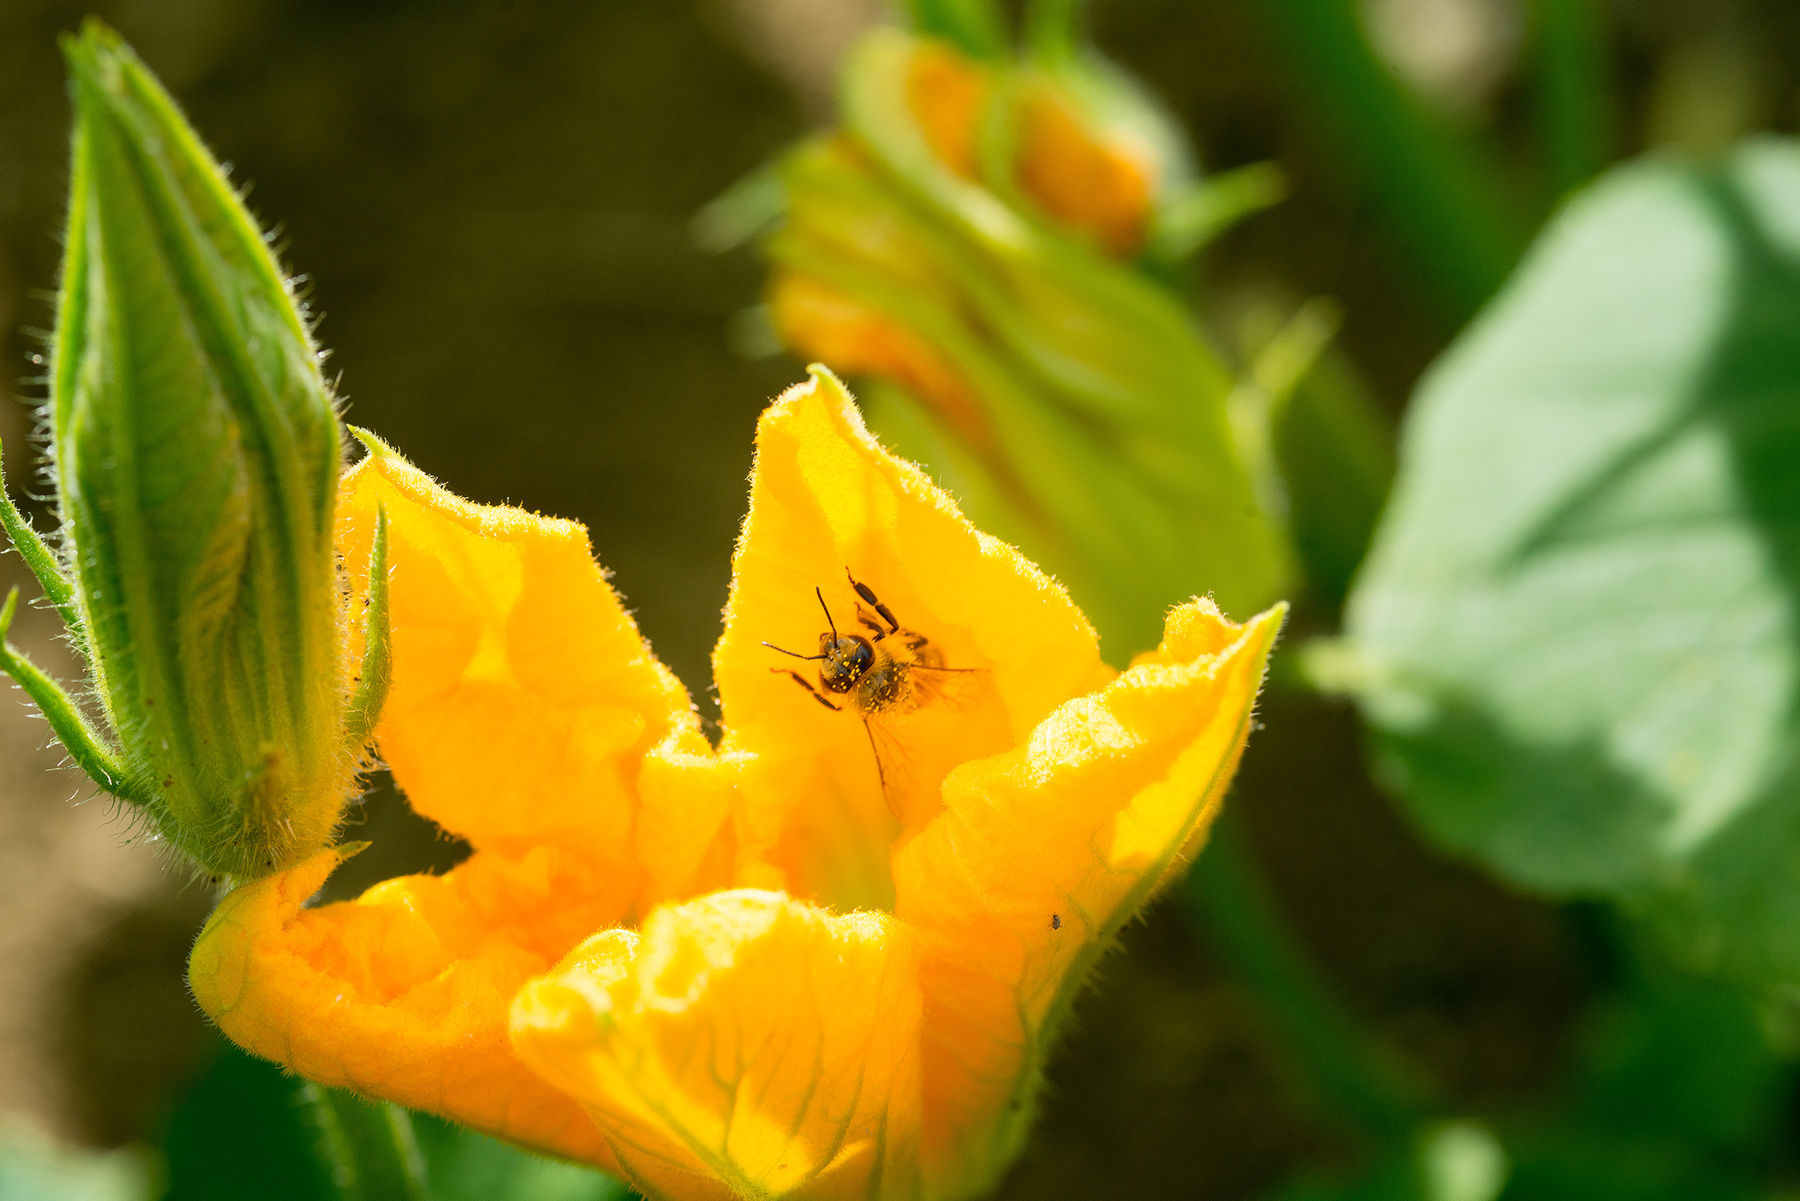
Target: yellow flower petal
[742, 1038]
[828, 503]
[1043, 852]
[404, 993]
[526, 714]
[523, 695]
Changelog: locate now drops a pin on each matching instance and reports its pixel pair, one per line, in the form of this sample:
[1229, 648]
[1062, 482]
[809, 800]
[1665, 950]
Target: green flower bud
[197, 452]
[1081, 410]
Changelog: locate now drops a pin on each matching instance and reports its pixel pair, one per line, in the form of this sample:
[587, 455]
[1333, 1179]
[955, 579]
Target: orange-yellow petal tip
[834, 520]
[829, 503]
[403, 993]
[1041, 855]
[1198, 628]
[220, 966]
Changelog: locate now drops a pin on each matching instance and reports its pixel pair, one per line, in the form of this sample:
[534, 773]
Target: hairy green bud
[197, 454]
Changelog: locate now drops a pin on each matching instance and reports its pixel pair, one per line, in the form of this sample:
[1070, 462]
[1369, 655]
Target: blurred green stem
[369, 1146]
[1050, 30]
[1347, 1073]
[1439, 194]
[1568, 46]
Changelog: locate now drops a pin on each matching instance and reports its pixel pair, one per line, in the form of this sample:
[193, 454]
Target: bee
[882, 674]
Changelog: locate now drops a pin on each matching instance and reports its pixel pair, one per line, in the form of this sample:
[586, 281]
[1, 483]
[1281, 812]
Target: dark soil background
[491, 205]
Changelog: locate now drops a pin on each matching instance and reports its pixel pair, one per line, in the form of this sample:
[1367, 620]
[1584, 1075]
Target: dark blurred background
[491, 206]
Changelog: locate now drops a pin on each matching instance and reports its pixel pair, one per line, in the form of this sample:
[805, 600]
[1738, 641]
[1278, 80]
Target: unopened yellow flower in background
[756, 969]
[987, 242]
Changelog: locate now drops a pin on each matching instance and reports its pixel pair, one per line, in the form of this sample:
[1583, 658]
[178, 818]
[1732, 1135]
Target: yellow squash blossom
[776, 968]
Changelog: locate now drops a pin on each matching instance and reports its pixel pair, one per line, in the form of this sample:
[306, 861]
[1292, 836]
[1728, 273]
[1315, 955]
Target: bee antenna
[820, 593]
[784, 650]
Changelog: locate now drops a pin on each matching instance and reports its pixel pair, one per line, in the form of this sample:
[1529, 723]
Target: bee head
[845, 661]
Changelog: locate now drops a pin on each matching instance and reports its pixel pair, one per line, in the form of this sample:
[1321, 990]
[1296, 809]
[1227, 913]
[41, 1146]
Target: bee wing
[961, 688]
[904, 765]
[897, 768]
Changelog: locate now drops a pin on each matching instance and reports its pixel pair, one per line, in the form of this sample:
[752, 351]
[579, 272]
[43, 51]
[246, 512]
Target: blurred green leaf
[1681, 1059]
[246, 1129]
[1447, 1161]
[1677, 1093]
[465, 1166]
[241, 1131]
[1354, 1079]
[33, 1167]
[1578, 626]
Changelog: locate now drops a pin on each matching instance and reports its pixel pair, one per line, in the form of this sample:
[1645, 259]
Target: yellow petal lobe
[1040, 856]
[742, 1038]
[527, 715]
[523, 697]
[403, 994]
[827, 505]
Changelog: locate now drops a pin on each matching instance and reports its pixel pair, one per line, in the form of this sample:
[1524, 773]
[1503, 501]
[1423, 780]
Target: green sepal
[976, 27]
[44, 564]
[66, 721]
[1332, 446]
[1052, 31]
[377, 671]
[1200, 212]
[749, 209]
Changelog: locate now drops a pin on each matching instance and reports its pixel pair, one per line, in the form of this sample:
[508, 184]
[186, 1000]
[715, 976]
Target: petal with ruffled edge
[403, 994]
[1040, 856]
[527, 715]
[524, 697]
[827, 503]
[744, 1044]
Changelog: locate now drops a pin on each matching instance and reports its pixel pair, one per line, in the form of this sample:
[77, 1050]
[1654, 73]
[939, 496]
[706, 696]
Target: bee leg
[868, 594]
[877, 631]
[807, 684]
